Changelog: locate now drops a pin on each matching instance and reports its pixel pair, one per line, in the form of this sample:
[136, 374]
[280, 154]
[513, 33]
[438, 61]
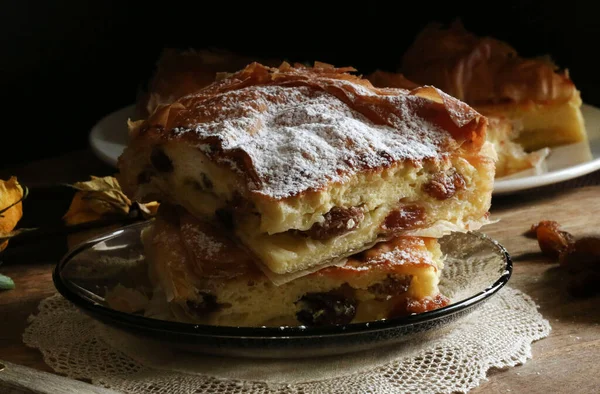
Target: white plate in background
[563, 163]
[109, 137]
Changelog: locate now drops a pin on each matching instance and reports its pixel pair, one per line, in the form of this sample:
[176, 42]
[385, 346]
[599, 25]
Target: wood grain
[17, 379]
[565, 362]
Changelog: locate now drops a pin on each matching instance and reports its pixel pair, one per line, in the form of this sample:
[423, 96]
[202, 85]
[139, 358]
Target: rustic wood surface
[565, 362]
[17, 379]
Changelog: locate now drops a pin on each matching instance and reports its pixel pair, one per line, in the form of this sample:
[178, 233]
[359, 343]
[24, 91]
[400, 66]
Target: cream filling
[264, 303]
[283, 253]
[544, 125]
[512, 158]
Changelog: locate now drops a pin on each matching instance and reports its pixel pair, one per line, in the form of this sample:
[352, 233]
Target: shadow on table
[503, 202]
[561, 304]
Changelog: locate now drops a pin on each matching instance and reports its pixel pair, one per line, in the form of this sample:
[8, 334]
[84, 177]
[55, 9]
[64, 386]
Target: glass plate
[476, 268]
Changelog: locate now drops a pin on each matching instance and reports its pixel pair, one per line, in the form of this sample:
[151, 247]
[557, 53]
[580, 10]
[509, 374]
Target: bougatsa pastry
[501, 131]
[490, 75]
[512, 157]
[306, 166]
[206, 278]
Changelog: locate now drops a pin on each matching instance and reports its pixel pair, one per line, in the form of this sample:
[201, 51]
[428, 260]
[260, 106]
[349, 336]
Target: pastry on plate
[489, 75]
[512, 157]
[204, 277]
[501, 131]
[306, 166]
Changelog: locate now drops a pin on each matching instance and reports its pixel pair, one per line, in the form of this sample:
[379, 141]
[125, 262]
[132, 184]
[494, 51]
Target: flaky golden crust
[482, 70]
[219, 116]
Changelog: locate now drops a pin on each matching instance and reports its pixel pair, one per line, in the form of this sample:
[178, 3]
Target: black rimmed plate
[476, 268]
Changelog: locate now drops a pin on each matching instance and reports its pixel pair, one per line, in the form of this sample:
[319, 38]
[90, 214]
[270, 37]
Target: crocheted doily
[497, 335]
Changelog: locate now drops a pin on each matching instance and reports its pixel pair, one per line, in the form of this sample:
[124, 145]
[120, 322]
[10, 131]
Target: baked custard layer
[512, 157]
[205, 278]
[543, 124]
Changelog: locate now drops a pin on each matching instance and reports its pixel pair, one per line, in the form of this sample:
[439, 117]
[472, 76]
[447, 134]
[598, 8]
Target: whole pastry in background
[490, 75]
[501, 131]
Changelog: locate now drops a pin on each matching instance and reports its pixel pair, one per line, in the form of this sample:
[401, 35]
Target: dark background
[66, 64]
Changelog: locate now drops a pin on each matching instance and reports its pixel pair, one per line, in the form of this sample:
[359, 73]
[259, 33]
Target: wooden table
[566, 362]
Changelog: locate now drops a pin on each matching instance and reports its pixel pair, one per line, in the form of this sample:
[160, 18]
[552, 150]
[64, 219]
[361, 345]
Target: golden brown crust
[217, 117]
[481, 70]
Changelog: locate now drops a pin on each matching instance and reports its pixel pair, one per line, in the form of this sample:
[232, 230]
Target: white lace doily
[498, 335]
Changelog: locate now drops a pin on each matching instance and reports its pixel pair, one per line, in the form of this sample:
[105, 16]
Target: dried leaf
[100, 199]
[581, 255]
[97, 198]
[11, 207]
[582, 261]
[145, 211]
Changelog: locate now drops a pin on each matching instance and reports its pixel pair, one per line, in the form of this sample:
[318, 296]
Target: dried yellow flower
[101, 199]
[11, 206]
[97, 199]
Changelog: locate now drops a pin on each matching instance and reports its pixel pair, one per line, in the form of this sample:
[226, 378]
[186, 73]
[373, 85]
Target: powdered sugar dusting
[300, 138]
[211, 246]
[393, 253]
[402, 256]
